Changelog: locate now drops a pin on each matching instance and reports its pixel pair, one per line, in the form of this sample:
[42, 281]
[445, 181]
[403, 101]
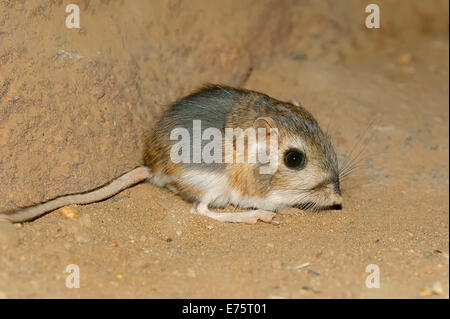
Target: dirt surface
[73, 109]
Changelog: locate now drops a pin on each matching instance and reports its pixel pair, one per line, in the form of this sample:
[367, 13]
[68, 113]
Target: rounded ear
[267, 123]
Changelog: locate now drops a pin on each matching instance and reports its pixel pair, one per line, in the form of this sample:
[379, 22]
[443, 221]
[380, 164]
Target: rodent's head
[308, 173]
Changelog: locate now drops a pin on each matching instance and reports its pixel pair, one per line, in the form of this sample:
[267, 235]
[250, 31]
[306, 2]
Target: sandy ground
[145, 243]
[73, 107]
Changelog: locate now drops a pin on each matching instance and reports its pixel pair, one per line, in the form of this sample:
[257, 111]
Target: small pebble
[404, 59]
[69, 212]
[302, 265]
[436, 289]
[113, 244]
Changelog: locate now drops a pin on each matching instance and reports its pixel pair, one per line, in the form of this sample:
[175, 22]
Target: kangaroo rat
[305, 173]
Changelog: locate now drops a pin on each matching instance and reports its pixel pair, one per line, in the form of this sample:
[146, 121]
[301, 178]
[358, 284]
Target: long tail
[115, 186]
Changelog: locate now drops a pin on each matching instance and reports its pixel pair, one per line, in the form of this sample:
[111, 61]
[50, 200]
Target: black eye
[294, 158]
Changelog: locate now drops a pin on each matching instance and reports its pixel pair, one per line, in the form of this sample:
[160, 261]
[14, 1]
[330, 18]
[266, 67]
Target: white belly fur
[217, 188]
